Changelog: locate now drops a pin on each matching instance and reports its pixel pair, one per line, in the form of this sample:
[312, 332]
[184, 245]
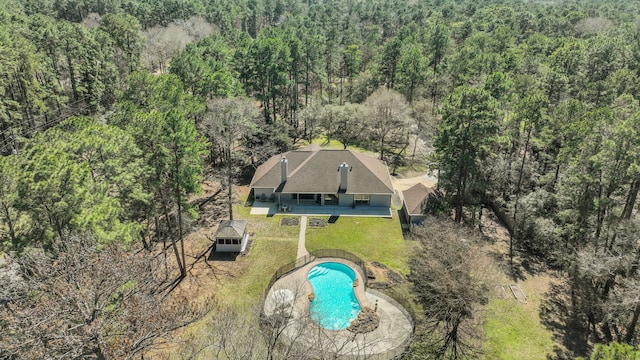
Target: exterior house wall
[227, 247]
[380, 200]
[345, 199]
[257, 192]
[417, 219]
[232, 247]
[405, 213]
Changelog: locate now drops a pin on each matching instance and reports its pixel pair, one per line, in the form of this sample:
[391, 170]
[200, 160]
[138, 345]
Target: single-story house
[416, 202]
[232, 236]
[316, 176]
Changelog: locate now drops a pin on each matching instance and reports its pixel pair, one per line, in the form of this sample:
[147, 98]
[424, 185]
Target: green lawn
[337, 145]
[372, 239]
[246, 288]
[273, 246]
[514, 331]
[322, 141]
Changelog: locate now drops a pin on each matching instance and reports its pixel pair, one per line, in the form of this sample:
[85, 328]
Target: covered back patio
[312, 208]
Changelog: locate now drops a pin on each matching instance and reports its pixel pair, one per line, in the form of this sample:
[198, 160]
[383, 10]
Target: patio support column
[322, 199]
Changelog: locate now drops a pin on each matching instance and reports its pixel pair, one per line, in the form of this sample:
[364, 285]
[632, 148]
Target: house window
[220, 241]
[228, 242]
[361, 199]
[236, 241]
[307, 196]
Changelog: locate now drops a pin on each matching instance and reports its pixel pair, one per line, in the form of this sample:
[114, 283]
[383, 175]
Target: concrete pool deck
[390, 338]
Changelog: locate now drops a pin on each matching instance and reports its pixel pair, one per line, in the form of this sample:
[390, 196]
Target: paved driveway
[404, 184]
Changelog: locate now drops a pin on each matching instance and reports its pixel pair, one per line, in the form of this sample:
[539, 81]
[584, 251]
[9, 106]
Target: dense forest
[111, 110]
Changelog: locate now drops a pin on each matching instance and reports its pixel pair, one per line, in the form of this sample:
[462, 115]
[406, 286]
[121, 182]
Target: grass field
[514, 330]
[246, 287]
[336, 145]
[372, 239]
[273, 246]
[239, 284]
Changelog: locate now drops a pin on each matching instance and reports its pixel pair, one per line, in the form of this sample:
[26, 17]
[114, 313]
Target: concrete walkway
[302, 249]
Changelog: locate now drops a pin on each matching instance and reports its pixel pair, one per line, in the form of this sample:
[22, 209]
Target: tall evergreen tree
[464, 140]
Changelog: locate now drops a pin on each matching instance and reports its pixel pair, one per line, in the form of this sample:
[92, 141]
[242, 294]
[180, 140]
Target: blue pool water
[335, 304]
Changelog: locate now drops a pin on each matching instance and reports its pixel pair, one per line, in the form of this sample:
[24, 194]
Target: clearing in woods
[514, 329]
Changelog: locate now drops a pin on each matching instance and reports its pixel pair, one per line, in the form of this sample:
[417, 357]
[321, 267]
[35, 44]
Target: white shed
[232, 236]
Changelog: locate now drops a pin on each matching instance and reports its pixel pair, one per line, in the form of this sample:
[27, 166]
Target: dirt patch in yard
[206, 272]
[381, 277]
[290, 221]
[318, 222]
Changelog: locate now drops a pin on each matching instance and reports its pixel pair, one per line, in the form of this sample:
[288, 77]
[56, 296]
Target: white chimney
[344, 174]
[284, 169]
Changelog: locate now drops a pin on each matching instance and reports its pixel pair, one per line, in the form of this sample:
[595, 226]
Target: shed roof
[415, 198]
[231, 229]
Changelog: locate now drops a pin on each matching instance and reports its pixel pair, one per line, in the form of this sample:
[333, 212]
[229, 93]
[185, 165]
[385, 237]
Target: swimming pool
[335, 304]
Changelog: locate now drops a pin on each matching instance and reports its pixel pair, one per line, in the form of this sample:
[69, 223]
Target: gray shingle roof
[313, 170]
[231, 229]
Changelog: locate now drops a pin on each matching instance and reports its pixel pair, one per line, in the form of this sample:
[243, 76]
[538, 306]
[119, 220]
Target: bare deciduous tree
[388, 120]
[426, 124]
[226, 122]
[344, 123]
[606, 286]
[82, 301]
[449, 280]
[311, 117]
[163, 41]
[283, 329]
